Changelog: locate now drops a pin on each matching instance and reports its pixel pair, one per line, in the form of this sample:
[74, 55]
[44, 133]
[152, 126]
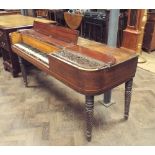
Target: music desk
[11, 23]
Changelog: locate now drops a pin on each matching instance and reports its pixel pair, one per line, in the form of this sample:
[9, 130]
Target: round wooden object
[73, 20]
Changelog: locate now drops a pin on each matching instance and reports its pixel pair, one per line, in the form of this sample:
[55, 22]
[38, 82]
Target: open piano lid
[84, 58]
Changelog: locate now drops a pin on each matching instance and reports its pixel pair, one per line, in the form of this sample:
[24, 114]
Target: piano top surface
[16, 21]
[120, 54]
[85, 47]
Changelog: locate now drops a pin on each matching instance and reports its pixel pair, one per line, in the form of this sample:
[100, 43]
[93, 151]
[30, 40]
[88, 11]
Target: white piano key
[31, 52]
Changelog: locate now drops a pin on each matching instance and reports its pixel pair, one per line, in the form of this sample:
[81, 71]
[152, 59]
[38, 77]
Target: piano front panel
[92, 82]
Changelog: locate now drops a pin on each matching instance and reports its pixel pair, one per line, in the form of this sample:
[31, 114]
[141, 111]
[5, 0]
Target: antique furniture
[133, 34]
[95, 26]
[149, 33]
[57, 15]
[54, 50]
[11, 23]
[8, 12]
[123, 17]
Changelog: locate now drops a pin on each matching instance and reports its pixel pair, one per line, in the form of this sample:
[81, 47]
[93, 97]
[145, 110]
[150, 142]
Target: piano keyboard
[33, 52]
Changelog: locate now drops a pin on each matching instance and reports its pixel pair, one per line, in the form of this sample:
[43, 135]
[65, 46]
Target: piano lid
[79, 60]
[58, 32]
[43, 33]
[83, 58]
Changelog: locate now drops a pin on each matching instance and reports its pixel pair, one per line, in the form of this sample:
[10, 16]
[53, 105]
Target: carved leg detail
[23, 70]
[128, 89]
[89, 115]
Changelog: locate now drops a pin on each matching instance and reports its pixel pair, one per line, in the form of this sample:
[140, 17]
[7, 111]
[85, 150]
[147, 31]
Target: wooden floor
[49, 113]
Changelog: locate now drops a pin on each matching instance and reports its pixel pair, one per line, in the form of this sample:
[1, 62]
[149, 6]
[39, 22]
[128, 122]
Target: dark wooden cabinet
[11, 23]
[57, 15]
[122, 24]
[10, 60]
[96, 29]
[2, 13]
[95, 26]
[149, 34]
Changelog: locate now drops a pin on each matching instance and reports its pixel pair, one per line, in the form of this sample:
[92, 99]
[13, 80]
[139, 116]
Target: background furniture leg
[23, 70]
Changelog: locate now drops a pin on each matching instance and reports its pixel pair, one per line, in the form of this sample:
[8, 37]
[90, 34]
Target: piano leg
[23, 70]
[128, 89]
[89, 116]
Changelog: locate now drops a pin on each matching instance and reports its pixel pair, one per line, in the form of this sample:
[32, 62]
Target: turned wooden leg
[89, 116]
[128, 89]
[23, 70]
